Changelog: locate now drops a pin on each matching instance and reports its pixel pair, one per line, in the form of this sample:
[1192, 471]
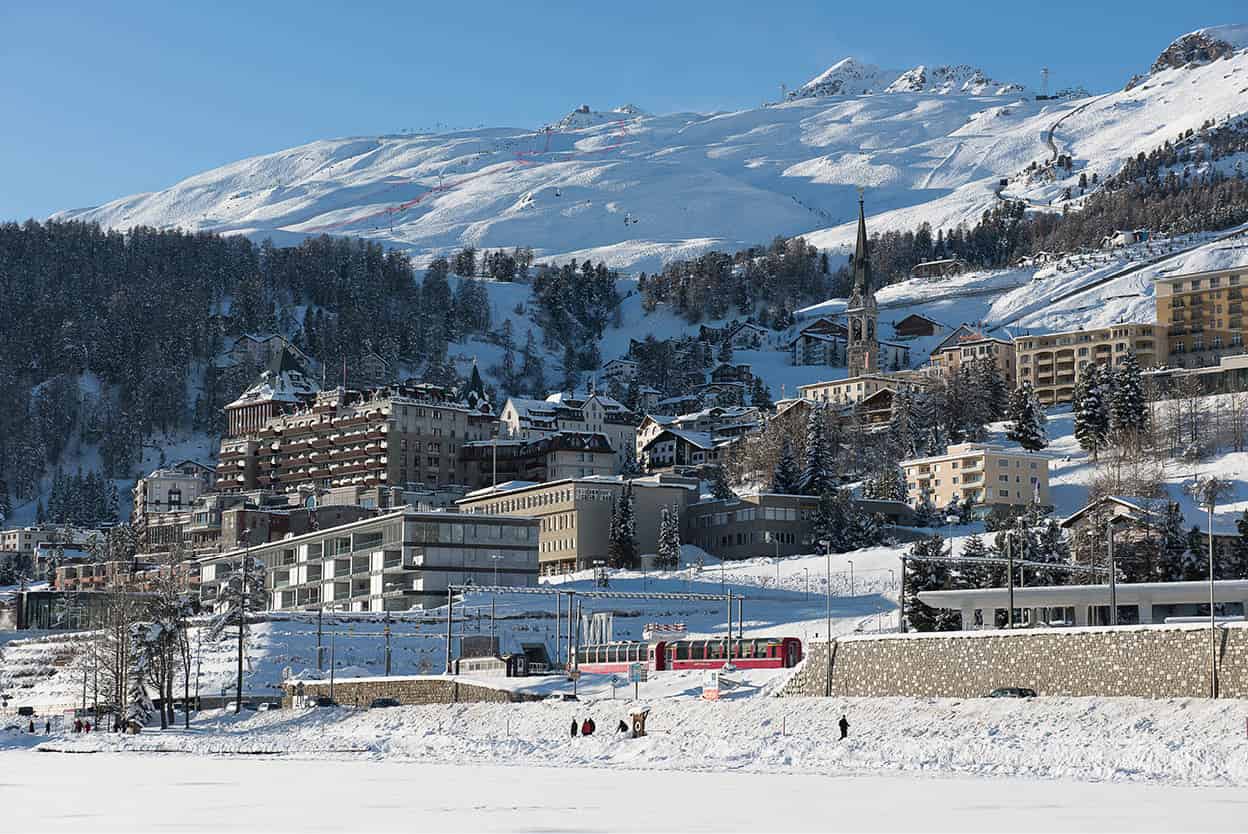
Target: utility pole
[728, 647]
[1113, 575]
[1009, 570]
[851, 576]
[450, 603]
[827, 555]
[901, 603]
[333, 642]
[242, 614]
[1207, 491]
[387, 633]
[741, 618]
[320, 651]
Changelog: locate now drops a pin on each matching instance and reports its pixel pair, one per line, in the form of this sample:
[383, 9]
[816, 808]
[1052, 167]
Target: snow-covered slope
[635, 189]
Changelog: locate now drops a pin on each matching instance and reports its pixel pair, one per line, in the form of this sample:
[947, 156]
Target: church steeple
[862, 315]
[862, 289]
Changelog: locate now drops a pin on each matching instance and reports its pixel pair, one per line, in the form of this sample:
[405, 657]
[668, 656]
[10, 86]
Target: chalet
[914, 325]
[1138, 519]
[938, 269]
[678, 449]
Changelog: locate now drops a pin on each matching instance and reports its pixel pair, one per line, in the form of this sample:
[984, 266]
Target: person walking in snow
[47, 726]
[573, 727]
[77, 725]
[587, 729]
[844, 725]
[86, 727]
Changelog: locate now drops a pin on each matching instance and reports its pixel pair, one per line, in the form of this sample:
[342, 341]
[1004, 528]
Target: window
[1004, 493]
[1003, 478]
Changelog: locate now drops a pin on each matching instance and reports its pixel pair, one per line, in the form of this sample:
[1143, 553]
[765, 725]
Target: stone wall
[1143, 661]
[407, 690]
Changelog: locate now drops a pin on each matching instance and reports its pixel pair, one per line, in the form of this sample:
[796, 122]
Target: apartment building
[966, 345]
[407, 436]
[721, 421]
[171, 488]
[393, 562]
[550, 458]
[841, 392]
[767, 524]
[1203, 314]
[574, 515]
[1054, 362]
[528, 419]
[985, 475]
[23, 541]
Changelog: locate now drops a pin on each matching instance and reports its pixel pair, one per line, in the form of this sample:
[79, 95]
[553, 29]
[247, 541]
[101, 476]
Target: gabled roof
[920, 316]
[700, 439]
[1152, 511]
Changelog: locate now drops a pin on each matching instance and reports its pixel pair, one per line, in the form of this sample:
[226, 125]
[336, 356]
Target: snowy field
[124, 793]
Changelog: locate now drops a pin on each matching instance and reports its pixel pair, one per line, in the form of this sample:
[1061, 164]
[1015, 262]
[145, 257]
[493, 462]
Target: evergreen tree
[622, 539]
[1091, 411]
[760, 395]
[927, 576]
[1172, 556]
[784, 479]
[1234, 562]
[817, 476]
[828, 524]
[720, 488]
[669, 539]
[888, 484]
[971, 575]
[1128, 408]
[1027, 423]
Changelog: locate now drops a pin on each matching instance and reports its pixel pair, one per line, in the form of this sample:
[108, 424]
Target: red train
[753, 653]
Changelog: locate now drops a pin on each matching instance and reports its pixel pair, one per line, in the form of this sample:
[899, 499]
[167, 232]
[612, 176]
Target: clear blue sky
[100, 100]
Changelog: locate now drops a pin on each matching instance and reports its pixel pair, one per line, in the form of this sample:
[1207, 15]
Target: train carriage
[713, 653]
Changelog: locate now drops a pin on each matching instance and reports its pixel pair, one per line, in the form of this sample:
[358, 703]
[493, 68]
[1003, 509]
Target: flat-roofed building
[983, 474]
[1203, 313]
[393, 562]
[1055, 362]
[575, 514]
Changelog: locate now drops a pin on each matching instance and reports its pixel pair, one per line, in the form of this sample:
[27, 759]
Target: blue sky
[101, 100]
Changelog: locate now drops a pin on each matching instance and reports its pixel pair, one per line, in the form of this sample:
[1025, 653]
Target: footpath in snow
[1179, 742]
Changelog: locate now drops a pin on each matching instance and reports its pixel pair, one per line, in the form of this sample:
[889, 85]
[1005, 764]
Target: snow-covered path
[116, 792]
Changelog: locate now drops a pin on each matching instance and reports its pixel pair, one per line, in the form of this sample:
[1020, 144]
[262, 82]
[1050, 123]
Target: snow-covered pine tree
[622, 540]
[927, 576]
[1172, 556]
[971, 575]
[720, 488]
[1091, 411]
[669, 538]
[991, 388]
[139, 707]
[829, 522]
[784, 479]
[1128, 410]
[816, 477]
[902, 434]
[1027, 424]
[1234, 561]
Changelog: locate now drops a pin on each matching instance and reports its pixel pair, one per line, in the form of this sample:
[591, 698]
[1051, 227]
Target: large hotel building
[1203, 312]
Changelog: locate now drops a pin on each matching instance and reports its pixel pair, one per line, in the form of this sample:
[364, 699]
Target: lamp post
[1207, 491]
[806, 597]
[892, 578]
[851, 576]
[1113, 574]
[242, 613]
[827, 602]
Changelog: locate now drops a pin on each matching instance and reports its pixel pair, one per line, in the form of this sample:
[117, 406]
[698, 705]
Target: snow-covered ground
[127, 793]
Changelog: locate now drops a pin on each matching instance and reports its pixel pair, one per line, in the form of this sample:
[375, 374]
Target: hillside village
[993, 442]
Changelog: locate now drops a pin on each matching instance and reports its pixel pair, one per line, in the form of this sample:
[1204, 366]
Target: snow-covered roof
[1225, 516]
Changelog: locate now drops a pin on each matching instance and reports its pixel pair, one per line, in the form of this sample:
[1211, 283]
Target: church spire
[862, 261]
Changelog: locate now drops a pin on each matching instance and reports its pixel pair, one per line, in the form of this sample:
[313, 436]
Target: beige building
[1053, 363]
[984, 474]
[857, 388]
[171, 488]
[1203, 312]
[966, 345]
[575, 514]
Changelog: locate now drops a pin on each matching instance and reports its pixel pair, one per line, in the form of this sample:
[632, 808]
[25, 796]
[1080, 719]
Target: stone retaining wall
[1149, 661]
[407, 690]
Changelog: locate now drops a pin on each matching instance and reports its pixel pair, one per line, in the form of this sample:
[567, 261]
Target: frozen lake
[113, 792]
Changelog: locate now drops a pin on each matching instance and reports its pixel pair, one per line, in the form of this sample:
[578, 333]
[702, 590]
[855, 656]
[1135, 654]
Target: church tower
[862, 315]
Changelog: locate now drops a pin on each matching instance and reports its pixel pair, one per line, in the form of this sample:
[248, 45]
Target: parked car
[265, 706]
[324, 701]
[1012, 692]
[26, 712]
[382, 703]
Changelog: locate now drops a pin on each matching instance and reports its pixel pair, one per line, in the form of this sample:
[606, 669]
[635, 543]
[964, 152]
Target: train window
[682, 651]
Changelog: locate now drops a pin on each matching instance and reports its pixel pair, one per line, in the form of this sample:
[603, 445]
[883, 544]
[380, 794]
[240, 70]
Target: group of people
[587, 727]
[81, 726]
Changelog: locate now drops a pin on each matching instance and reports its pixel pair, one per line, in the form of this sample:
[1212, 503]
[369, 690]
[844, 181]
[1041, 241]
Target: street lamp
[1207, 491]
[827, 593]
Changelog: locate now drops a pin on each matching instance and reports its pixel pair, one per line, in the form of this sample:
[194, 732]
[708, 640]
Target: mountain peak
[851, 77]
[1202, 47]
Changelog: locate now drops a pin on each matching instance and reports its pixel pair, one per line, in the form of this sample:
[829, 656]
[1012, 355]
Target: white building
[172, 488]
[526, 419]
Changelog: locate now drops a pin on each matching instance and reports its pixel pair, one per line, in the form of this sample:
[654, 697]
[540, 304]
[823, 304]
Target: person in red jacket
[587, 729]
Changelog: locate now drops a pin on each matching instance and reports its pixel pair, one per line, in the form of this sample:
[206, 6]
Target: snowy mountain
[931, 144]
